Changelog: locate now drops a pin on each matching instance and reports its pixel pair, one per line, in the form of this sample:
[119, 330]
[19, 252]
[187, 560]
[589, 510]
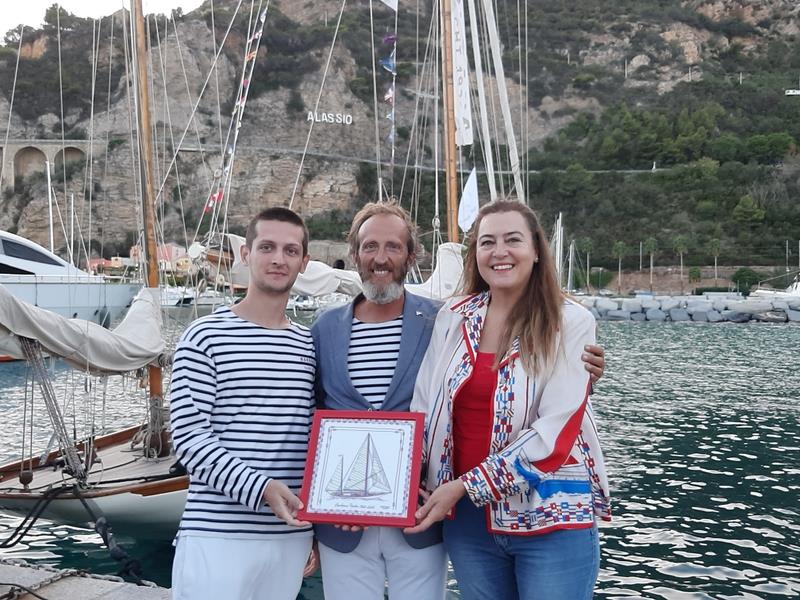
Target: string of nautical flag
[222, 176]
[389, 64]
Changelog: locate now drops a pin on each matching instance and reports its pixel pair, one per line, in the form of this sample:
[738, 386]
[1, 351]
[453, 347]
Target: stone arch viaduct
[22, 158]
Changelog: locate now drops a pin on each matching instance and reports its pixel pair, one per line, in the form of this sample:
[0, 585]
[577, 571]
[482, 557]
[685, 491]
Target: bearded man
[368, 355]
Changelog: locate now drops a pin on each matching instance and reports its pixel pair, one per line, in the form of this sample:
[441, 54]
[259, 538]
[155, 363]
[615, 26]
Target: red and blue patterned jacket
[545, 468]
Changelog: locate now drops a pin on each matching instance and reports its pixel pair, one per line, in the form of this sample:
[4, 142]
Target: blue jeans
[561, 565]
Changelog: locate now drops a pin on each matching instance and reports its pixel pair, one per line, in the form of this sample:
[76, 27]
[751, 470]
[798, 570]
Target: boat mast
[449, 122]
[156, 441]
[366, 468]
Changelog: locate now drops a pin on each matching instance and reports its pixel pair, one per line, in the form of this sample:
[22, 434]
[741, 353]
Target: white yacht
[790, 293]
[41, 278]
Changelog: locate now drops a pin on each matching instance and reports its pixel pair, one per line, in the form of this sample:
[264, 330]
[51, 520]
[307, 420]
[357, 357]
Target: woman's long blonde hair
[536, 319]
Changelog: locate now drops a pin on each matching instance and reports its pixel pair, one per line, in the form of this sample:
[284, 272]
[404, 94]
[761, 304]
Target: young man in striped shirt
[369, 353]
[241, 408]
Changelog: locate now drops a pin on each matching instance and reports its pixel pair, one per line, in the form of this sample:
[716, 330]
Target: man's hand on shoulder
[594, 361]
[283, 503]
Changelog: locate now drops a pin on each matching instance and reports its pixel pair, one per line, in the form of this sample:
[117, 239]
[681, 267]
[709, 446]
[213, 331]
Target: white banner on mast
[463, 106]
[390, 3]
[469, 205]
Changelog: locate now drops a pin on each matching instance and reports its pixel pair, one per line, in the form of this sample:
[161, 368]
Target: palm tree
[681, 244]
[619, 250]
[650, 246]
[586, 245]
[714, 246]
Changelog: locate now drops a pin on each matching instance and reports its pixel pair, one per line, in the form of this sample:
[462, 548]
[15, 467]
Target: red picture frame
[363, 468]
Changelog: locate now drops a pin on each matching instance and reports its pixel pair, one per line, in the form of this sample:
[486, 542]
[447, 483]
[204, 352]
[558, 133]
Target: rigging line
[375, 99]
[527, 137]
[394, 106]
[89, 169]
[216, 76]
[229, 153]
[133, 127]
[61, 96]
[192, 118]
[175, 150]
[492, 92]
[413, 139]
[511, 141]
[11, 104]
[153, 133]
[522, 82]
[484, 135]
[168, 127]
[319, 98]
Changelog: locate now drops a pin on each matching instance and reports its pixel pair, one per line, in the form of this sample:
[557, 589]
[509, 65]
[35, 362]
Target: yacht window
[9, 270]
[17, 250]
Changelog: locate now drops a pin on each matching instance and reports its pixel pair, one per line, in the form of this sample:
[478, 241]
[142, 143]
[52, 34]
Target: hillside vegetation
[687, 140]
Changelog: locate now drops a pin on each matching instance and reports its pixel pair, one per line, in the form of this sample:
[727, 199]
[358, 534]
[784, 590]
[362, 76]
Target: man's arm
[192, 397]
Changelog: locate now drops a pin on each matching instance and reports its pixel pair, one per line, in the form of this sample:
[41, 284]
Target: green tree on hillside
[714, 246]
[650, 246]
[748, 212]
[619, 250]
[680, 244]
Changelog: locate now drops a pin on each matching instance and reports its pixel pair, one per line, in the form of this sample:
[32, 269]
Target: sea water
[700, 425]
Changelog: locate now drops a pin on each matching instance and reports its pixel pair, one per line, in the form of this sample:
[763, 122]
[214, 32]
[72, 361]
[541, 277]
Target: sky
[31, 12]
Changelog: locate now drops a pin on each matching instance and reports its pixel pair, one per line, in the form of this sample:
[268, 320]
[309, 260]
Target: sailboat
[123, 478]
[365, 475]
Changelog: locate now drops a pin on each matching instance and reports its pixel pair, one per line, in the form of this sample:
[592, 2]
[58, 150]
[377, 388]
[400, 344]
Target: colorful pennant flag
[389, 64]
[390, 3]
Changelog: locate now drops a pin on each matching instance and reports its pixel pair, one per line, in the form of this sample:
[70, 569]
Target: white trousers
[212, 568]
[382, 556]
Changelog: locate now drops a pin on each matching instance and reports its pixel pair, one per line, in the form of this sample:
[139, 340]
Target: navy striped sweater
[241, 403]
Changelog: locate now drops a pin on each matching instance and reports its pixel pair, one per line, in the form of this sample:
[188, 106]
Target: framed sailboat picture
[363, 468]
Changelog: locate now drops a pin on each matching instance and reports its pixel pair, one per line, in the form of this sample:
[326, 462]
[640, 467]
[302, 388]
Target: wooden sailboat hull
[136, 495]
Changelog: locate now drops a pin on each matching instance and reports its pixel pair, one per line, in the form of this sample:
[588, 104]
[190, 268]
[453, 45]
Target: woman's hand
[438, 505]
[594, 360]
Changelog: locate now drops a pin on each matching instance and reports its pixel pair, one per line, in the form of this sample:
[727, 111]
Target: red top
[473, 415]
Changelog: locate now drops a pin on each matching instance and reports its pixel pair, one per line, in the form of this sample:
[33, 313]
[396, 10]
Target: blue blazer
[335, 391]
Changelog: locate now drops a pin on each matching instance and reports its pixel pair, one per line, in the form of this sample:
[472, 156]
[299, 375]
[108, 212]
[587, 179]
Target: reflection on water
[700, 428]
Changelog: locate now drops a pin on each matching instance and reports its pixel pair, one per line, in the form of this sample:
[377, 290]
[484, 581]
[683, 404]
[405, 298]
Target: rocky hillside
[567, 65]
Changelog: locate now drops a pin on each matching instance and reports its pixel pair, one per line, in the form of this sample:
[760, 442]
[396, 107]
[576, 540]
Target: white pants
[212, 568]
[384, 555]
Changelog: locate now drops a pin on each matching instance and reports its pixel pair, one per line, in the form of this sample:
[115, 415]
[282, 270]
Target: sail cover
[446, 276]
[135, 342]
[318, 279]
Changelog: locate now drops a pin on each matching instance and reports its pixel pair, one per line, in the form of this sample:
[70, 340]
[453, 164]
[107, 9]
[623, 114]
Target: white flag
[468, 208]
[463, 106]
[390, 3]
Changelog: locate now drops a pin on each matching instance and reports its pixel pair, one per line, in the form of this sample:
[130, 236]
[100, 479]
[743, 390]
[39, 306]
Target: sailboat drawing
[365, 476]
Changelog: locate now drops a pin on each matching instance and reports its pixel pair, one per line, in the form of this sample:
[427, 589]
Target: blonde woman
[511, 451]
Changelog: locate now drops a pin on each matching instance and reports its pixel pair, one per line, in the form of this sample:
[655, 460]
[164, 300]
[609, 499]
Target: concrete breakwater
[708, 308]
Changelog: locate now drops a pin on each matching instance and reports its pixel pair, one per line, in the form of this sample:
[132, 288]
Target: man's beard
[382, 294]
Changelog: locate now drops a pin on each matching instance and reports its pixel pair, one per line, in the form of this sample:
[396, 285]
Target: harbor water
[701, 430]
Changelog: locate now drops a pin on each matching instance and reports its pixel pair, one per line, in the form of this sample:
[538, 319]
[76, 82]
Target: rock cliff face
[281, 123]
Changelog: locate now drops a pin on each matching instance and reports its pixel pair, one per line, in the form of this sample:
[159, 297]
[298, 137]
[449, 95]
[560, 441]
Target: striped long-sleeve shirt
[241, 407]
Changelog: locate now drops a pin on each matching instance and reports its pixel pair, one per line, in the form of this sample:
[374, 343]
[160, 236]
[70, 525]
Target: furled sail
[446, 276]
[136, 342]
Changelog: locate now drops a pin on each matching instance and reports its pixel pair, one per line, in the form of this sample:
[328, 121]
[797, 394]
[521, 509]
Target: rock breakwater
[708, 308]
